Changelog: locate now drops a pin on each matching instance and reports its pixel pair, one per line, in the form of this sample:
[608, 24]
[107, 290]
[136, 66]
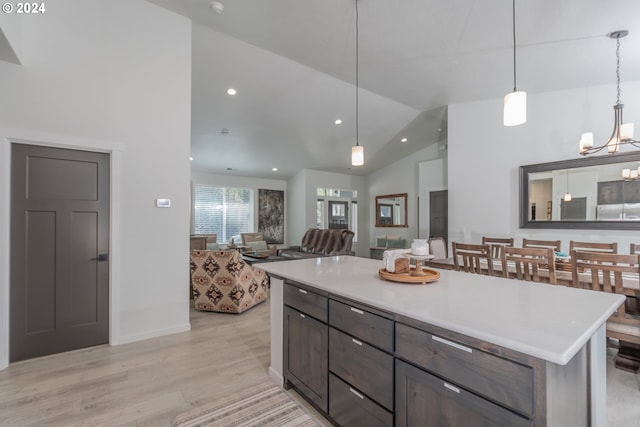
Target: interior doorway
[439, 214]
[59, 281]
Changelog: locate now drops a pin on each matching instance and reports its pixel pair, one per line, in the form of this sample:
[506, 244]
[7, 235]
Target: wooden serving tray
[430, 276]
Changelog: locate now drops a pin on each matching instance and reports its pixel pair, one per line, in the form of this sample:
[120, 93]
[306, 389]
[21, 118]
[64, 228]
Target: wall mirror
[601, 192]
[391, 210]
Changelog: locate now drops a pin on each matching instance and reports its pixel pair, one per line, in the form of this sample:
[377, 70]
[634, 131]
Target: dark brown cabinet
[365, 367]
[306, 345]
[349, 407]
[360, 366]
[506, 382]
[425, 400]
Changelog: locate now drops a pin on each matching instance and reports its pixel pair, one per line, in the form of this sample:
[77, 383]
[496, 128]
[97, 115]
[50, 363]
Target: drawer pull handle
[356, 393]
[452, 388]
[452, 344]
[302, 291]
[303, 316]
[355, 310]
[355, 341]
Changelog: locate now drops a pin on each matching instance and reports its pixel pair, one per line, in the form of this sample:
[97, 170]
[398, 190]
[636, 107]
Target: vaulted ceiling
[292, 63]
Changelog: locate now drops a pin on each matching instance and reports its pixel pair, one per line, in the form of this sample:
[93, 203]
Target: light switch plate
[163, 203]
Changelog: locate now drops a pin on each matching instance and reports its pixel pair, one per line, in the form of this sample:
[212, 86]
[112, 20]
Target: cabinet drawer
[349, 407]
[364, 367]
[425, 400]
[306, 301]
[368, 327]
[504, 381]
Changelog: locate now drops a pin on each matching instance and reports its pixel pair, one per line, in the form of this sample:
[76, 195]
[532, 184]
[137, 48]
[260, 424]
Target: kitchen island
[503, 348]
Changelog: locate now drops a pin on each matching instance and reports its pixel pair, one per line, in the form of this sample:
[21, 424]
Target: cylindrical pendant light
[515, 108]
[357, 155]
[515, 103]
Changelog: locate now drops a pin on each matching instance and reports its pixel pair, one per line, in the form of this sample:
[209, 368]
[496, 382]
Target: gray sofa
[321, 242]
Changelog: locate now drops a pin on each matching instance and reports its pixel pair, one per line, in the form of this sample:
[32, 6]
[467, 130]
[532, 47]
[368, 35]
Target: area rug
[265, 405]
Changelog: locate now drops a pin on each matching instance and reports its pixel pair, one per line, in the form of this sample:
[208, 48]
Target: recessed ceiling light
[403, 140]
[217, 7]
[190, 158]
[274, 169]
[338, 122]
[231, 91]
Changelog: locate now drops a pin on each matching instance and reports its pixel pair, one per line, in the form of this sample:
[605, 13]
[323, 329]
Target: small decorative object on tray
[428, 276]
[418, 271]
[402, 265]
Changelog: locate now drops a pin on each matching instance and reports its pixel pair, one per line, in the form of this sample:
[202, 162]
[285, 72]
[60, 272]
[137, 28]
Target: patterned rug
[265, 405]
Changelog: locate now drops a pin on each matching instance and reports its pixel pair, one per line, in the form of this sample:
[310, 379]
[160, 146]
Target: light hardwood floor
[149, 382]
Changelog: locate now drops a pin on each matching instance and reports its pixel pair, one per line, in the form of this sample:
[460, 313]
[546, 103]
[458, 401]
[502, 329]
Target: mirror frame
[571, 164]
[379, 205]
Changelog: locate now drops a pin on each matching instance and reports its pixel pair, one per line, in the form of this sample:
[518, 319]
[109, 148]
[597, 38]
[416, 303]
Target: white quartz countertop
[550, 322]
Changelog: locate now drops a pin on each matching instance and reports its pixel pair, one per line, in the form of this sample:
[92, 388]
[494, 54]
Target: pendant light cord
[514, 44]
[357, 85]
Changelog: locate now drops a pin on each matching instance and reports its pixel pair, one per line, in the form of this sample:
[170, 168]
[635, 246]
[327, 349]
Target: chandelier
[357, 151]
[622, 132]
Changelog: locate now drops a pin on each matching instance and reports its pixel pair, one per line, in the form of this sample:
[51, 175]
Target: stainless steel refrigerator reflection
[609, 212]
[631, 212]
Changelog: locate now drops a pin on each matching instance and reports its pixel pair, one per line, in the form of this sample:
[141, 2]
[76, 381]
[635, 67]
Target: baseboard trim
[126, 339]
[275, 375]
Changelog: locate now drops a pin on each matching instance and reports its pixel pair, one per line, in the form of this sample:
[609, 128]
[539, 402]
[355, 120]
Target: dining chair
[528, 263]
[438, 247]
[553, 244]
[606, 272]
[609, 248]
[469, 257]
[496, 244]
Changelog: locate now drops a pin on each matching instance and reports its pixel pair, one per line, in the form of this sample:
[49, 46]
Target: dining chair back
[553, 244]
[634, 248]
[609, 248]
[530, 264]
[472, 258]
[496, 244]
[438, 247]
[606, 272]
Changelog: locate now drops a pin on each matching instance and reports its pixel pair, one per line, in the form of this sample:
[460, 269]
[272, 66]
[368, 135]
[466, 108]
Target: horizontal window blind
[224, 211]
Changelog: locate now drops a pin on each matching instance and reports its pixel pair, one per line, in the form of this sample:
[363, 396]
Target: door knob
[101, 257]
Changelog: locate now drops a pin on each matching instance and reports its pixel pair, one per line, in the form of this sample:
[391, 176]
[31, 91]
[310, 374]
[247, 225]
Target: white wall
[400, 177]
[243, 182]
[114, 76]
[484, 158]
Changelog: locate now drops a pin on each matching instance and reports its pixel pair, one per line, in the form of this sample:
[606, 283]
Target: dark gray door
[439, 214]
[59, 250]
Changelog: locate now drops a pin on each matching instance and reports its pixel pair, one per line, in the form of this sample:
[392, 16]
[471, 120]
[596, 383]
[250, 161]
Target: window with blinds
[224, 211]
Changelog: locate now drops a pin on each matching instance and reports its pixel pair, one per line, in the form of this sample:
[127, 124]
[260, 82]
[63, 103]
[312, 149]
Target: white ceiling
[293, 64]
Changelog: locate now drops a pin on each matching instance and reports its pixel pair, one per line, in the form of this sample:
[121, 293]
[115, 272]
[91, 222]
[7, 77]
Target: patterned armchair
[223, 281]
